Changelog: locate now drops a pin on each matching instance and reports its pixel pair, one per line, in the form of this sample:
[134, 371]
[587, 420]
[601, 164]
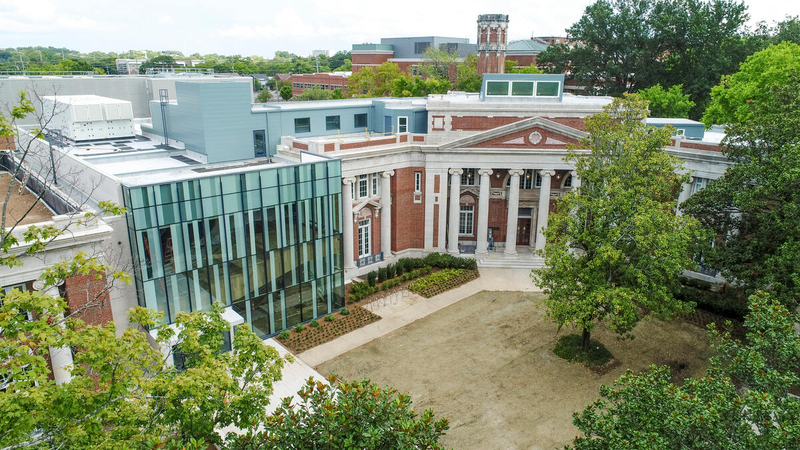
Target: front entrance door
[524, 231]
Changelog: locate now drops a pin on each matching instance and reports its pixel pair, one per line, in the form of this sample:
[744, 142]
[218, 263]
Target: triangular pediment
[532, 133]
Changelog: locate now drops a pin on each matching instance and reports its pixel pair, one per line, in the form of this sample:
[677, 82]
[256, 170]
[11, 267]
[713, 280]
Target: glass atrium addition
[268, 243]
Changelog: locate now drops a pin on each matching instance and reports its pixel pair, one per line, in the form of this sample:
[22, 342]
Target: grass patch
[569, 348]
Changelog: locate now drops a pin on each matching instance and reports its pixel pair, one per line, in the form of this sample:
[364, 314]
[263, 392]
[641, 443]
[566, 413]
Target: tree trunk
[585, 341]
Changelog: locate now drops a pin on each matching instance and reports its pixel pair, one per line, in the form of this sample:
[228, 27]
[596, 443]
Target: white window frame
[364, 237]
[375, 184]
[402, 128]
[568, 181]
[352, 191]
[699, 184]
[466, 179]
[363, 190]
[466, 220]
[417, 181]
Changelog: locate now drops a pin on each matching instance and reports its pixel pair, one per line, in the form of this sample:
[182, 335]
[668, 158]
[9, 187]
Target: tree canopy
[753, 208]
[628, 45]
[667, 103]
[614, 242]
[730, 99]
[357, 414]
[741, 402]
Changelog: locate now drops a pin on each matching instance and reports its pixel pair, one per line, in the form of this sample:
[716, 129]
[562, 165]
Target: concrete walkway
[401, 312]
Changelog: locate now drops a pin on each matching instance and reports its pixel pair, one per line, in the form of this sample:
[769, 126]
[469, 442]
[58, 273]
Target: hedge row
[405, 265]
[441, 281]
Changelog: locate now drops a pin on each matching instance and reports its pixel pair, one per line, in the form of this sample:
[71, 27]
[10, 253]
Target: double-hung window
[362, 186]
[417, 181]
[402, 124]
[466, 220]
[375, 177]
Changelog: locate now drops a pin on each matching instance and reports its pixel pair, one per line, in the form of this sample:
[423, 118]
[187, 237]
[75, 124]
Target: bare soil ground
[18, 204]
[486, 363]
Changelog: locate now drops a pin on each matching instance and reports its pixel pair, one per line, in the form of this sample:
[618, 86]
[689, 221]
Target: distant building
[320, 52]
[524, 52]
[326, 81]
[407, 52]
[129, 66]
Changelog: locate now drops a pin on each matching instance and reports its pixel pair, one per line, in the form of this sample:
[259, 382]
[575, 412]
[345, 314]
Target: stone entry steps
[520, 261]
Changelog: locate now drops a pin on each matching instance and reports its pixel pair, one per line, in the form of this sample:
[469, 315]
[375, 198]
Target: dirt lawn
[486, 364]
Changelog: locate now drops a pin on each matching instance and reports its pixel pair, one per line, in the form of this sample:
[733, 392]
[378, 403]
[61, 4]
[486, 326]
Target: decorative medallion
[535, 137]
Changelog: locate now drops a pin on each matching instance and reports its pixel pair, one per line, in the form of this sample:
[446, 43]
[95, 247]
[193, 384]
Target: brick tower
[492, 43]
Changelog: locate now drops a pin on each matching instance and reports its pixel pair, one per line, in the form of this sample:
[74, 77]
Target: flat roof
[671, 121]
[84, 99]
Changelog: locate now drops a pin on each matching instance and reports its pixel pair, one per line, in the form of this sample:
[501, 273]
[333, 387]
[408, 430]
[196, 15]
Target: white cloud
[286, 23]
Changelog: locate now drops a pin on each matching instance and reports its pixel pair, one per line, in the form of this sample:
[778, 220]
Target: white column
[513, 212]
[347, 222]
[686, 192]
[544, 207]
[386, 213]
[455, 210]
[576, 180]
[483, 212]
[60, 357]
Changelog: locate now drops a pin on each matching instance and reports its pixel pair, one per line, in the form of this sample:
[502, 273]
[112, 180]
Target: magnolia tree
[615, 246]
[741, 402]
[357, 414]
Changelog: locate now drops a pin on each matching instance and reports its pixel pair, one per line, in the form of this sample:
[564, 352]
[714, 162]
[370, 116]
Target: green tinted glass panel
[497, 88]
[547, 89]
[522, 88]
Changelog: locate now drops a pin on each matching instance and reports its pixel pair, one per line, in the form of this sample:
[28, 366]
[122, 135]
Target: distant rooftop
[85, 99]
[527, 45]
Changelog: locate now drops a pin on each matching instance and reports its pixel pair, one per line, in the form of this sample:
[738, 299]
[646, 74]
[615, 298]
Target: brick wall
[408, 224]
[7, 144]
[476, 123]
[522, 60]
[573, 122]
[299, 145]
[361, 59]
[323, 79]
[367, 143]
[696, 146]
[80, 290]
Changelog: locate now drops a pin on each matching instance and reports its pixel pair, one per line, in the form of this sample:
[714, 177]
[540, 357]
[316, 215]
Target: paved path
[414, 307]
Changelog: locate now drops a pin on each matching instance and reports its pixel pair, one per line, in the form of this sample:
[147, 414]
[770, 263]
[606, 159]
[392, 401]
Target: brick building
[325, 81]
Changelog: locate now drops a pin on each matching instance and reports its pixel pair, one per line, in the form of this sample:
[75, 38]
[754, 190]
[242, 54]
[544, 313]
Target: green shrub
[344, 311]
[314, 323]
[298, 328]
[284, 335]
[406, 276]
[371, 277]
[381, 274]
[731, 303]
[330, 318]
[391, 271]
[400, 267]
[361, 290]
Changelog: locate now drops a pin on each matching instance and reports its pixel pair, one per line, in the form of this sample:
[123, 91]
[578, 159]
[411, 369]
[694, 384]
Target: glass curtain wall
[268, 243]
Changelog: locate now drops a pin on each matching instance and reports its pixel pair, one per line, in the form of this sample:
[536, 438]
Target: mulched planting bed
[299, 342]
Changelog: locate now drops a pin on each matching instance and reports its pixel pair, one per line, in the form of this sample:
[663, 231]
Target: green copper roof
[527, 45]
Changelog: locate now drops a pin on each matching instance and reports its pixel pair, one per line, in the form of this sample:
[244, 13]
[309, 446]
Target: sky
[260, 28]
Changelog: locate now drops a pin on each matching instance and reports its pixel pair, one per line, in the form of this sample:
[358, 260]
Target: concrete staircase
[518, 261]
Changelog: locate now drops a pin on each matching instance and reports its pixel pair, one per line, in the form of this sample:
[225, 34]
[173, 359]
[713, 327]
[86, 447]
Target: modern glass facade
[267, 242]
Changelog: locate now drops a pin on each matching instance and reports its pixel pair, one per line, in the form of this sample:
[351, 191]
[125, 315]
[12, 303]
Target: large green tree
[357, 414]
[754, 207]
[667, 103]
[741, 402]
[731, 99]
[615, 246]
[626, 45]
